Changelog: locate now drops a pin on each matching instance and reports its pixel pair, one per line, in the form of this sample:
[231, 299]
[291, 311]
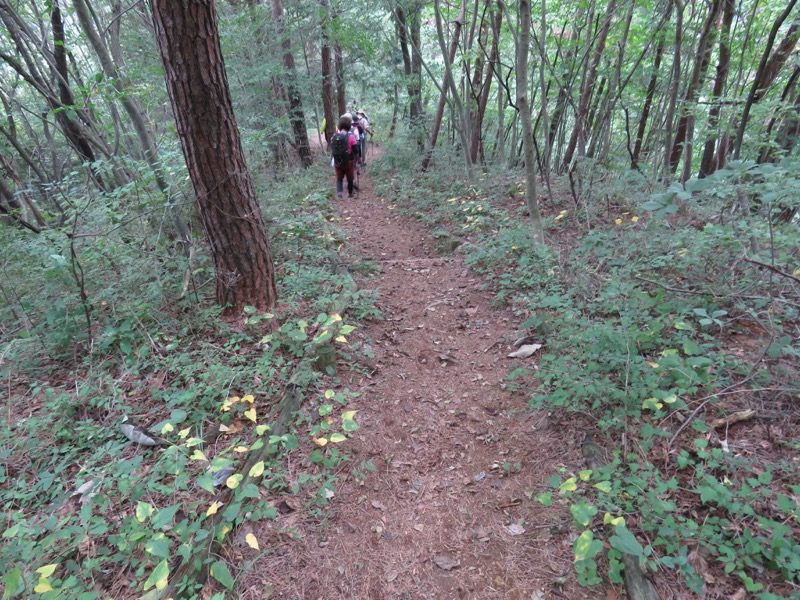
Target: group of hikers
[349, 150]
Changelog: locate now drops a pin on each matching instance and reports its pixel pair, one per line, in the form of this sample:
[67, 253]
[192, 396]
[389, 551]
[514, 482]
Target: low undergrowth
[86, 513]
[669, 325]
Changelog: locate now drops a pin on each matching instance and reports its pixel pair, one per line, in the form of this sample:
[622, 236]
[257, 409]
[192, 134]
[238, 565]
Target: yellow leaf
[336, 317]
[261, 429]
[341, 339]
[618, 221]
[251, 541]
[348, 415]
[43, 586]
[212, 510]
[167, 428]
[240, 449]
[568, 486]
[634, 219]
[223, 428]
[47, 570]
[233, 481]
[329, 394]
[653, 364]
[337, 437]
[320, 441]
[198, 455]
[251, 414]
[184, 432]
[195, 441]
[249, 398]
[257, 469]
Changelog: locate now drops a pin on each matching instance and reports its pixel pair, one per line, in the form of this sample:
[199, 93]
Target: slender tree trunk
[523, 42]
[648, 102]
[134, 111]
[676, 81]
[341, 96]
[327, 77]
[768, 69]
[462, 128]
[194, 70]
[296, 114]
[587, 88]
[707, 165]
[682, 144]
[437, 119]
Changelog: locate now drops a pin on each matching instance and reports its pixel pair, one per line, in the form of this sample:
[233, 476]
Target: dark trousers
[345, 169]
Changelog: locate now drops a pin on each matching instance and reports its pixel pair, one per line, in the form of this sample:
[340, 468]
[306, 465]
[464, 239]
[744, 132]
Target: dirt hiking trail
[450, 510]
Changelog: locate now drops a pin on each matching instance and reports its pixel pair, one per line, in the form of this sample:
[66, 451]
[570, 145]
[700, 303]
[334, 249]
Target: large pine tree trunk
[188, 40]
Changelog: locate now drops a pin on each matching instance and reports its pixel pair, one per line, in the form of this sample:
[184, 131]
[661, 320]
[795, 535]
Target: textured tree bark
[188, 40]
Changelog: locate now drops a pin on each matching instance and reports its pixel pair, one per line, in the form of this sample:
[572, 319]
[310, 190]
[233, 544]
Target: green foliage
[637, 316]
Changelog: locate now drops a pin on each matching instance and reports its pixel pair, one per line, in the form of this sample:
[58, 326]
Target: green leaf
[159, 577]
[143, 510]
[12, 581]
[349, 425]
[545, 498]
[178, 415]
[165, 516]
[11, 531]
[158, 545]
[220, 572]
[603, 486]
[583, 513]
[586, 546]
[626, 542]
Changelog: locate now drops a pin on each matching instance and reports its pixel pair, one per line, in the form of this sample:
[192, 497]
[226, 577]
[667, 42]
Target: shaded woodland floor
[450, 509]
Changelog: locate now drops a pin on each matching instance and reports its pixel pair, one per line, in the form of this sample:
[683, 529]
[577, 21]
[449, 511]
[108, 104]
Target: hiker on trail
[324, 130]
[363, 124]
[345, 153]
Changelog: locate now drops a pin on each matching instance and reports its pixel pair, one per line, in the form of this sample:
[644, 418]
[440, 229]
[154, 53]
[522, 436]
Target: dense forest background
[624, 174]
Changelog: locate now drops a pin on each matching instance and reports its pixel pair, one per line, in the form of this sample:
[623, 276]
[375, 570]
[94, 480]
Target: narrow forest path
[450, 510]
